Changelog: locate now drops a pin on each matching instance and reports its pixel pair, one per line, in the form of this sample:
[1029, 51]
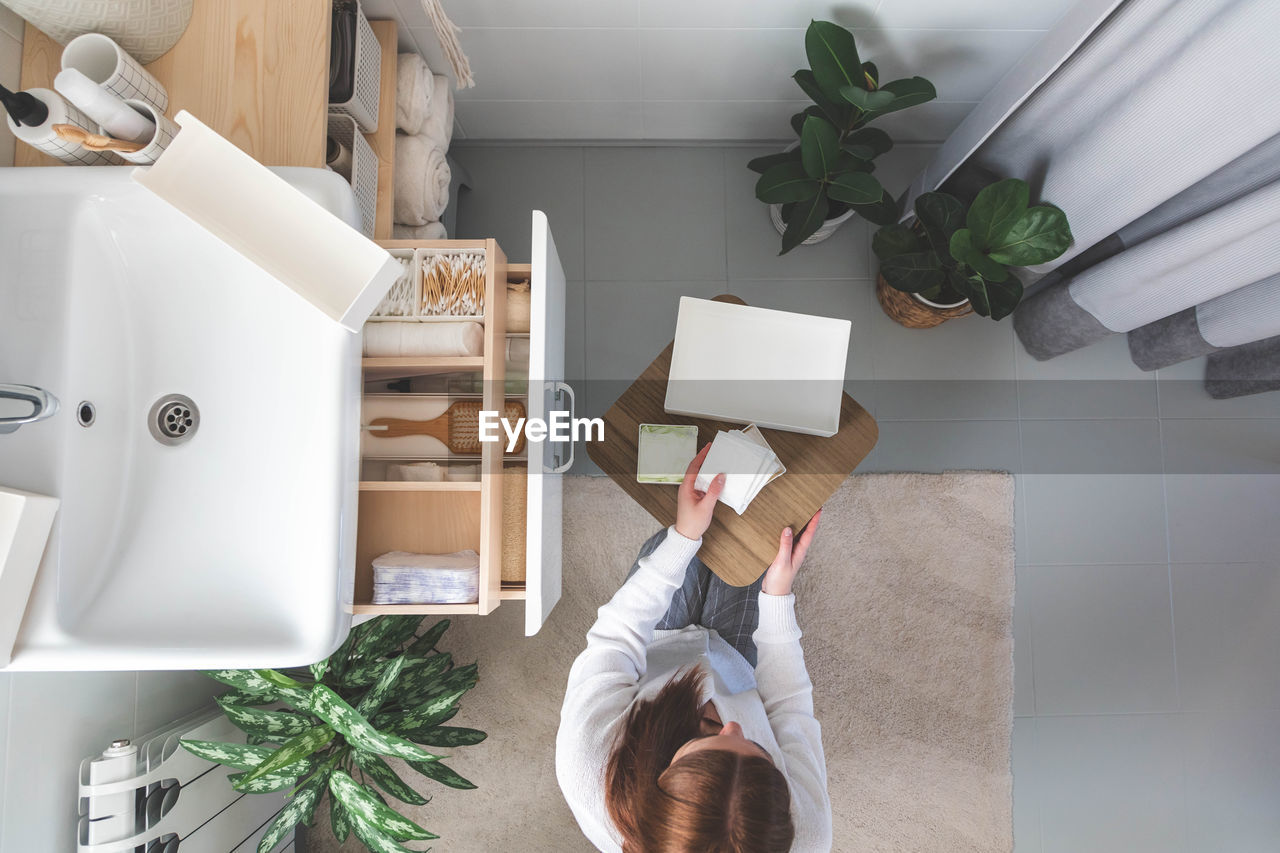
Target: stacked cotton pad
[403, 578]
[747, 462]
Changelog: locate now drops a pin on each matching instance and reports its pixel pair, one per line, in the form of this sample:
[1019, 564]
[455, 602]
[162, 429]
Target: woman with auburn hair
[688, 725]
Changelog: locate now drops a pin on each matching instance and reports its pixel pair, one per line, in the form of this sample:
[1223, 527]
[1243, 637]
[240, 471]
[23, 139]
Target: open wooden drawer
[441, 517]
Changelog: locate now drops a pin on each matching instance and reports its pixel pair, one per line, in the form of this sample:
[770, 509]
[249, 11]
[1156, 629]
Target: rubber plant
[953, 252]
[385, 693]
[829, 172]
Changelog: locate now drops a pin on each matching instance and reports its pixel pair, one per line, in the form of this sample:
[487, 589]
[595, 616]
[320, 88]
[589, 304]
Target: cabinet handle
[573, 411]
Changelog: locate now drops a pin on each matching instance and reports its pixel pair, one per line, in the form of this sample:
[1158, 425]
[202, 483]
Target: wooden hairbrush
[458, 428]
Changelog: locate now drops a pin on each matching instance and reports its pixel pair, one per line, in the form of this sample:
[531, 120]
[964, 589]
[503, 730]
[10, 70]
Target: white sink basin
[233, 548]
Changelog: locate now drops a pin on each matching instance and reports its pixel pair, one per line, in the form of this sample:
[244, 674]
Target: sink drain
[174, 419]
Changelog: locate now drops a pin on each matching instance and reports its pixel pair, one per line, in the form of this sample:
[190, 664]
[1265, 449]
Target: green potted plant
[384, 693]
[824, 178]
[954, 258]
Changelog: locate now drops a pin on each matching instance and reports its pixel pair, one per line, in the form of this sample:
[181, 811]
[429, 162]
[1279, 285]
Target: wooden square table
[738, 548]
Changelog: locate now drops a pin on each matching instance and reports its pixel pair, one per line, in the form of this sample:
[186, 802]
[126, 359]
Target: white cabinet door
[548, 460]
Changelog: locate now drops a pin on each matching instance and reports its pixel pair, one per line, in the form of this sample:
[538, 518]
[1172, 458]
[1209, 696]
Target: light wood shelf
[256, 73]
[419, 486]
[393, 368]
[415, 609]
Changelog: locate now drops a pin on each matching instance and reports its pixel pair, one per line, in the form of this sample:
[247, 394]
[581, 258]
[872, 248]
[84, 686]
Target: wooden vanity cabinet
[441, 517]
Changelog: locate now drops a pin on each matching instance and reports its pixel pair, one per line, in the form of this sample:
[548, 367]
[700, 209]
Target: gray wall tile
[512, 181]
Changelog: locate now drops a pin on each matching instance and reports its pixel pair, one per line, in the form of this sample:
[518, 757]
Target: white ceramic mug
[107, 64]
[166, 130]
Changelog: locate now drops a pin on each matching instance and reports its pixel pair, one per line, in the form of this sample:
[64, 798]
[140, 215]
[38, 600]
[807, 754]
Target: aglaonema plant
[955, 252]
[830, 171]
[385, 693]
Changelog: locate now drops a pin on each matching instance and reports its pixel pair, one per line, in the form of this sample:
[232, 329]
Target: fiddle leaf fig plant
[385, 693]
[829, 171]
[953, 252]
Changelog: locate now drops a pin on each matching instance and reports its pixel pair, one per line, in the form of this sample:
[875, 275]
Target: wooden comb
[458, 428]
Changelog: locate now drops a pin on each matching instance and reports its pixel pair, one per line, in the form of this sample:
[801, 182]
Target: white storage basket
[363, 106]
[421, 258]
[364, 168]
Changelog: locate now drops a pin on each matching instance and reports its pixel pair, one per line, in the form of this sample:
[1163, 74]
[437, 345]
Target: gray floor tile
[655, 214]
[847, 299]
[1099, 381]
[1227, 628]
[753, 242]
[1221, 446]
[1223, 517]
[1024, 699]
[1086, 519]
[1120, 446]
[1020, 520]
[1111, 784]
[1026, 784]
[629, 322]
[1182, 395]
[961, 369]
[509, 183]
[1233, 780]
[934, 446]
[1103, 638]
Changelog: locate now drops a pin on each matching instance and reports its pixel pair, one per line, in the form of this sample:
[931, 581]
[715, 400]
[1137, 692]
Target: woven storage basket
[363, 105]
[905, 309]
[515, 497]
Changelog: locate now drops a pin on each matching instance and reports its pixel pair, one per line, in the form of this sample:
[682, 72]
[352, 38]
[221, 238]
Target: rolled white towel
[391, 339]
[414, 89]
[430, 231]
[422, 178]
[439, 124]
[518, 352]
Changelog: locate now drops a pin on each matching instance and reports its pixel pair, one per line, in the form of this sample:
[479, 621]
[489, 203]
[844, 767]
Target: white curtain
[1159, 135]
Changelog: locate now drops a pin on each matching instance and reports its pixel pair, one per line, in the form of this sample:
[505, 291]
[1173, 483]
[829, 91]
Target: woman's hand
[782, 571]
[694, 508]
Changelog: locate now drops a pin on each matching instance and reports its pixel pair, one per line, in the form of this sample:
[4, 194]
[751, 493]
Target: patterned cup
[106, 63]
[166, 130]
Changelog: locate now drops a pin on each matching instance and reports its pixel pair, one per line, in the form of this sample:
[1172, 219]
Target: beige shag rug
[906, 606]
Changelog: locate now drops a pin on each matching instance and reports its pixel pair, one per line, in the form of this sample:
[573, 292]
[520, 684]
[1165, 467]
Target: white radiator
[155, 797]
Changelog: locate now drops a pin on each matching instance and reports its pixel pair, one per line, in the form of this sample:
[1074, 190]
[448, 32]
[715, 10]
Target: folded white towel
[462, 473]
[430, 231]
[421, 181]
[415, 472]
[392, 338]
[439, 124]
[414, 89]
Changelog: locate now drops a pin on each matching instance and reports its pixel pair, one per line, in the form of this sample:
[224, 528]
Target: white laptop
[776, 369]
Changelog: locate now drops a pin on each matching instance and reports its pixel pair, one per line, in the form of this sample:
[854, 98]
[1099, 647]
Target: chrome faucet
[43, 405]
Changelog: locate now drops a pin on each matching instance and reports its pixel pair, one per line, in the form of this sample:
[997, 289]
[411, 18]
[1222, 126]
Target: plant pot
[828, 228]
[914, 311]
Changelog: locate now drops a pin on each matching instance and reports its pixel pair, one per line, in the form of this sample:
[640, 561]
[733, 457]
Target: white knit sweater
[627, 660]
